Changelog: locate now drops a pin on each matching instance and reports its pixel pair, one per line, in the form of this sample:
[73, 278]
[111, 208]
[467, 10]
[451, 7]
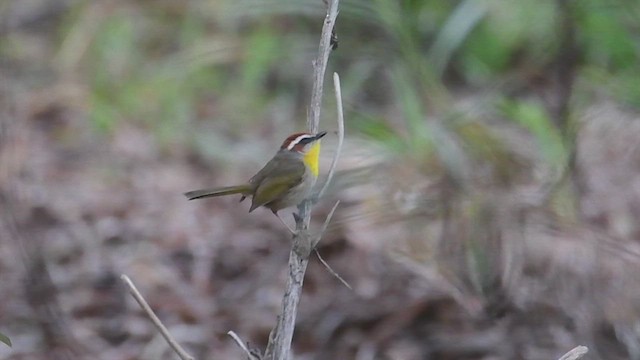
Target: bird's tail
[221, 191]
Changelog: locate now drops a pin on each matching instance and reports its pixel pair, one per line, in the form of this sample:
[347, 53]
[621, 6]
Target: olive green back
[282, 173]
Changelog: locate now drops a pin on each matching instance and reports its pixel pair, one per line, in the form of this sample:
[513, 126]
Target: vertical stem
[320, 66]
[281, 336]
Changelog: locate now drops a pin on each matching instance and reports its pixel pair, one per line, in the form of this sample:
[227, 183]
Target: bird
[286, 180]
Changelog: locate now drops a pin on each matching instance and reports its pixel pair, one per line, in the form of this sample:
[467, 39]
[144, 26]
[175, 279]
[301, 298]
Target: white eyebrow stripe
[297, 140]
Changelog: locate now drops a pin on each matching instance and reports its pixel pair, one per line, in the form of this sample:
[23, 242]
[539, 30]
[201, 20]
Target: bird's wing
[275, 180]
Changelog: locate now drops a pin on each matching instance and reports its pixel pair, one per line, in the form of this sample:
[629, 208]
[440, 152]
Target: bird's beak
[320, 135]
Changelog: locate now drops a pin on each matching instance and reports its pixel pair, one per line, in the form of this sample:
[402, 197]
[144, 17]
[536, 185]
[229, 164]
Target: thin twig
[242, 345]
[280, 338]
[575, 353]
[156, 321]
[331, 271]
[320, 66]
[334, 162]
[324, 227]
[322, 231]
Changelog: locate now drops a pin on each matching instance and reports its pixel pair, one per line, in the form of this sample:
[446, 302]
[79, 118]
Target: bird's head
[301, 142]
[307, 145]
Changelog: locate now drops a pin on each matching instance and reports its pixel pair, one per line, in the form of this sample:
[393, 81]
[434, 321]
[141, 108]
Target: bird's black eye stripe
[306, 140]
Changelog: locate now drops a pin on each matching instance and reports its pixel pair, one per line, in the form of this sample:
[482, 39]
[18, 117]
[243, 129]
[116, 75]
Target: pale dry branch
[279, 346]
[280, 338]
[155, 320]
[575, 353]
[319, 237]
[331, 271]
[340, 119]
[325, 225]
[242, 345]
[320, 66]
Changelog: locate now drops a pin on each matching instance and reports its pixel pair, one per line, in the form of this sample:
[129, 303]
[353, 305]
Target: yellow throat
[311, 158]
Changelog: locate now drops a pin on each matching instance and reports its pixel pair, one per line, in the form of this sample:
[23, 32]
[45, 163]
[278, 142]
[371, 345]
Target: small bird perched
[286, 180]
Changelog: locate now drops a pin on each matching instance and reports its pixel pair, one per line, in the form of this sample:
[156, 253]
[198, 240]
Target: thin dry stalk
[575, 353]
[243, 346]
[155, 320]
[281, 336]
[331, 271]
[336, 156]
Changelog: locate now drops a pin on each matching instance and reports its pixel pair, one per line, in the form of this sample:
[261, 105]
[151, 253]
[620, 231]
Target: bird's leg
[293, 231]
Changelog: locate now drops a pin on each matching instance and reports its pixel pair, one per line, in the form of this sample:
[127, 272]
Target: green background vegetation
[467, 122]
[185, 71]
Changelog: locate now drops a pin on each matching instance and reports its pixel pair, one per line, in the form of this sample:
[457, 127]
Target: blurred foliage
[534, 118]
[5, 340]
[199, 72]
[464, 99]
[202, 72]
[164, 65]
